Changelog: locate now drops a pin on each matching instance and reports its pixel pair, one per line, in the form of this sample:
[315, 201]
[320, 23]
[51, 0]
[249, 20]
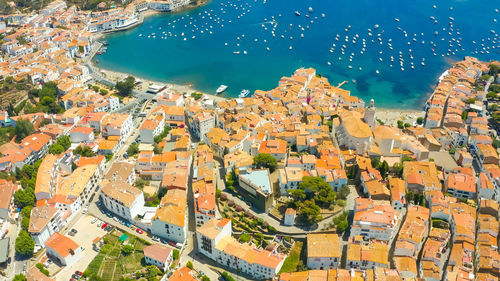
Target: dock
[342, 83]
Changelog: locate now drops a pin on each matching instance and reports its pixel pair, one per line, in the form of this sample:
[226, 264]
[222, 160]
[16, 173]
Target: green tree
[226, 276]
[264, 160]
[384, 169]
[24, 197]
[175, 254]
[400, 124]
[297, 195]
[310, 212]
[64, 141]
[375, 162]
[496, 143]
[152, 272]
[157, 149]
[125, 87]
[127, 250]
[24, 128]
[471, 100]
[133, 149]
[85, 151]
[20, 277]
[340, 222]
[189, 265]
[140, 183]
[24, 244]
[316, 188]
[491, 95]
[343, 192]
[420, 120]
[56, 149]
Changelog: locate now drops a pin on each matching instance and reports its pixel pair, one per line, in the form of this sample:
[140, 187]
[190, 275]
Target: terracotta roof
[158, 252]
[323, 245]
[63, 245]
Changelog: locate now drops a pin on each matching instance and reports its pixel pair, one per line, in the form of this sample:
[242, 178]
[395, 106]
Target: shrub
[127, 250]
[223, 196]
[230, 203]
[175, 254]
[189, 265]
[244, 238]
[226, 276]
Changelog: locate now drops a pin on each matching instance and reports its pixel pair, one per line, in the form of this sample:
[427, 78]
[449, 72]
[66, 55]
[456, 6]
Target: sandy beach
[390, 116]
[115, 76]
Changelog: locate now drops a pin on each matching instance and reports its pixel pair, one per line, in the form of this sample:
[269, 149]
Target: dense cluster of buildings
[433, 215]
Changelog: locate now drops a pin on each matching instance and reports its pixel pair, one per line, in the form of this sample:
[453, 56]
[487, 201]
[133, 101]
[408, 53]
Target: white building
[374, 219]
[353, 133]
[289, 218]
[122, 199]
[170, 220]
[81, 134]
[202, 123]
[158, 255]
[63, 250]
[44, 222]
[116, 124]
[215, 242]
[152, 127]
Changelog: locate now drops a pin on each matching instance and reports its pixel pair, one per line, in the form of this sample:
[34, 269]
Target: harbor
[395, 59]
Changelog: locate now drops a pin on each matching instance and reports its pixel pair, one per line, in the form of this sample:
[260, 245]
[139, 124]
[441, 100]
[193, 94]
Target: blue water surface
[163, 47]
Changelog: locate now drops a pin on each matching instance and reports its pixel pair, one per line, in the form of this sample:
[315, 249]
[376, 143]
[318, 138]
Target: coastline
[116, 76]
[388, 116]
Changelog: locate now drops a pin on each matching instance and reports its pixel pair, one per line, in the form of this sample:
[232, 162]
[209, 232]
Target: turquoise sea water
[163, 47]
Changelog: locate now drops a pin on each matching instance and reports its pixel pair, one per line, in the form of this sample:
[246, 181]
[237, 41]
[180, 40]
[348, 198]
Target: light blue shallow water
[206, 61]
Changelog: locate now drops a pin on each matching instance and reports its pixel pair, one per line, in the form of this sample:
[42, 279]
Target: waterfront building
[353, 133]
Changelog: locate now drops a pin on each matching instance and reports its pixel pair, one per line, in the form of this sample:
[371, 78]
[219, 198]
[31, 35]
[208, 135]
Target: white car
[100, 224]
[94, 220]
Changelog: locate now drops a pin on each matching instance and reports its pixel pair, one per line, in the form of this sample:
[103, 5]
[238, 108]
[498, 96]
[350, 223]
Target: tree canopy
[47, 99]
[24, 128]
[125, 87]
[25, 244]
[316, 188]
[84, 151]
[264, 160]
[20, 277]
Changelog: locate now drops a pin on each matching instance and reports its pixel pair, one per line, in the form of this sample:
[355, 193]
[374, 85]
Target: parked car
[94, 220]
[140, 231]
[79, 273]
[104, 225]
[76, 276]
[156, 239]
[100, 224]
[108, 228]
